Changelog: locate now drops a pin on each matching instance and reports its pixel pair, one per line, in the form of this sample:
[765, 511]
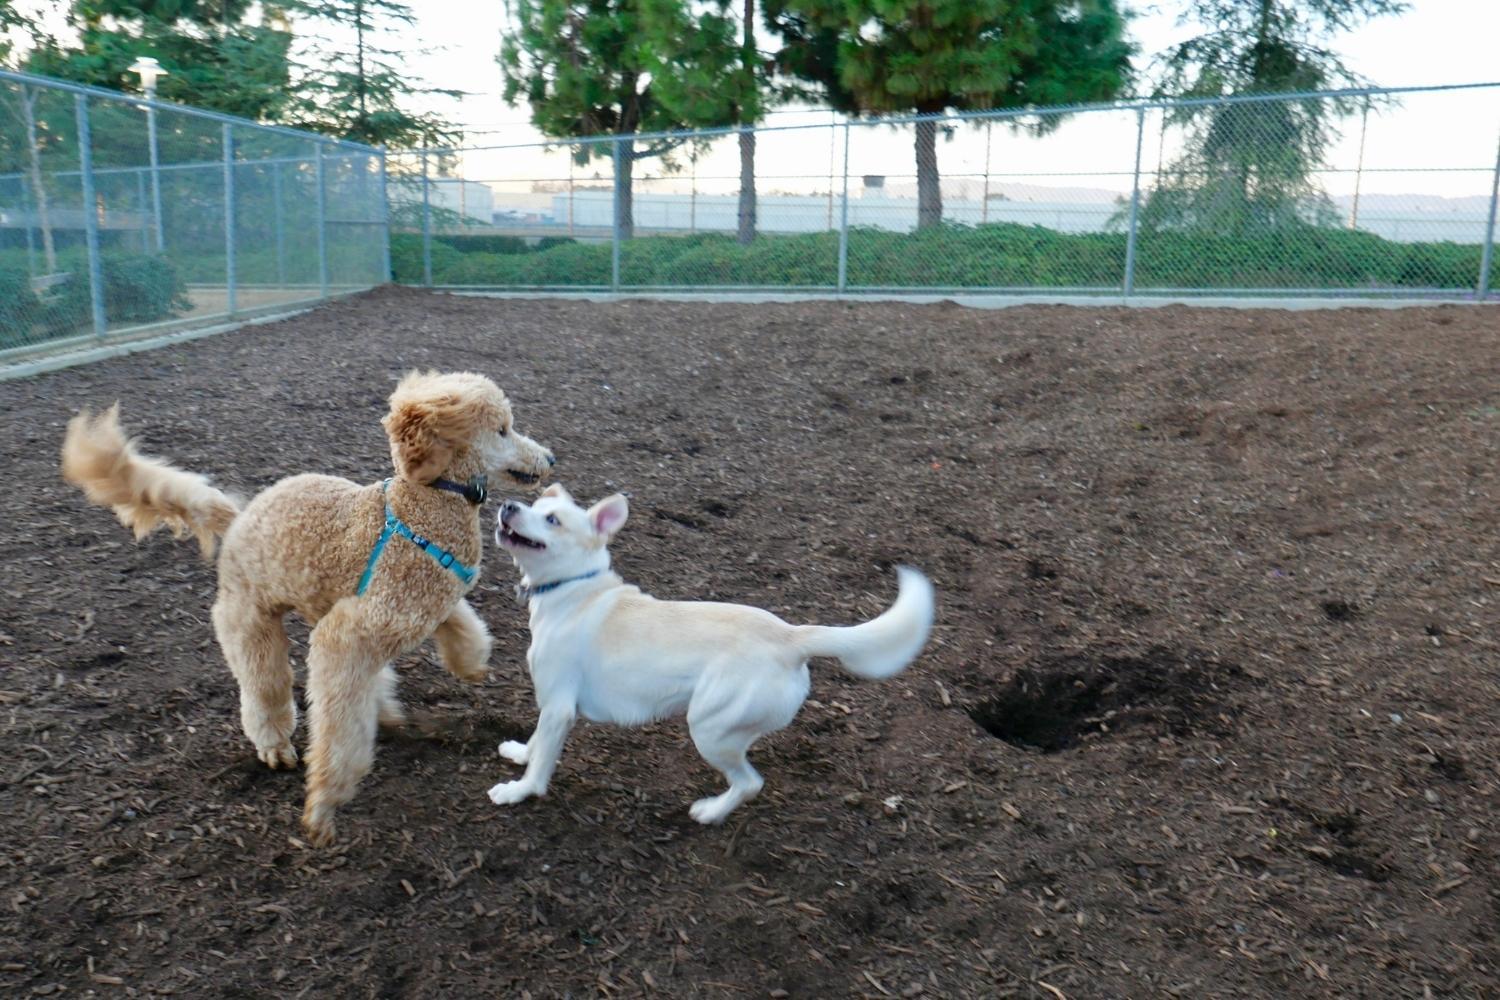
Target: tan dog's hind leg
[391, 714]
[255, 644]
[344, 686]
[464, 644]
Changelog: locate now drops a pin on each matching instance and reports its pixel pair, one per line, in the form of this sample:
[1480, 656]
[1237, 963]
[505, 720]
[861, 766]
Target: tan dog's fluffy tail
[884, 645]
[144, 492]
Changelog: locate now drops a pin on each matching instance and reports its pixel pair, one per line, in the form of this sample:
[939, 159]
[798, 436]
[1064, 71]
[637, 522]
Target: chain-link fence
[1357, 193]
[120, 215]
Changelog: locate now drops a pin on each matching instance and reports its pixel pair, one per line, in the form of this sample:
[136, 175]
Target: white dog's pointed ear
[608, 515]
[556, 490]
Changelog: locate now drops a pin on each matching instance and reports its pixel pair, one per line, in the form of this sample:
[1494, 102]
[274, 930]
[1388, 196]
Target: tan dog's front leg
[464, 644]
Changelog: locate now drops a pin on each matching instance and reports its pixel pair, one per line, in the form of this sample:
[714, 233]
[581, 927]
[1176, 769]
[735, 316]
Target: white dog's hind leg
[543, 750]
[726, 751]
[735, 704]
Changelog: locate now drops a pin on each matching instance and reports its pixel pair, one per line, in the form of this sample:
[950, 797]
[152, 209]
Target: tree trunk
[747, 186]
[929, 187]
[624, 197]
[747, 137]
[38, 187]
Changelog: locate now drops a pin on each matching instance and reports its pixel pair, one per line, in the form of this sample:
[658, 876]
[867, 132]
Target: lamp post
[150, 70]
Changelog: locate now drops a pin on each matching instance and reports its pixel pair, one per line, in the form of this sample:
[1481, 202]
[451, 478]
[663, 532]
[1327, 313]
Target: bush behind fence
[1400, 201]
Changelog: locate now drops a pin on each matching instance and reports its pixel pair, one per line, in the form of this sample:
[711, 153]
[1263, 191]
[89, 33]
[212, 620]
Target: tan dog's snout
[530, 461]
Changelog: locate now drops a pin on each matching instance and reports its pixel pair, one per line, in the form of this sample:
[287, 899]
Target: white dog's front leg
[542, 752]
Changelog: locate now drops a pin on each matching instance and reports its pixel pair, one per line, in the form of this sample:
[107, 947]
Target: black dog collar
[474, 491]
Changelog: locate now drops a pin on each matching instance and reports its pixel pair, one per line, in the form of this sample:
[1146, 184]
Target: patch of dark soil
[1057, 704]
[1353, 864]
[1340, 611]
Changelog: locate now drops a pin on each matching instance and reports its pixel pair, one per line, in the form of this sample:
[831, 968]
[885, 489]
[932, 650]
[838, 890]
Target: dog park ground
[1210, 708]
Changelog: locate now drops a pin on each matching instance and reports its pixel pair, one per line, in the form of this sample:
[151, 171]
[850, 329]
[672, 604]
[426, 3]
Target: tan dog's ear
[417, 450]
[608, 515]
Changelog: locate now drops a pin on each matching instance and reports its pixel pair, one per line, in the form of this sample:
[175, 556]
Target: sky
[1408, 150]
[1436, 41]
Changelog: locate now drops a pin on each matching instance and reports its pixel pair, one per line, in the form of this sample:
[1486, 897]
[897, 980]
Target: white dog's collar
[524, 594]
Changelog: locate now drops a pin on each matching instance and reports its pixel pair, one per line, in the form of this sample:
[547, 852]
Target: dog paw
[516, 753]
[510, 792]
[319, 826]
[710, 811]
[283, 756]
[470, 673]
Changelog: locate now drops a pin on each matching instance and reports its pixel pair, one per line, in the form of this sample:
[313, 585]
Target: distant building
[472, 201]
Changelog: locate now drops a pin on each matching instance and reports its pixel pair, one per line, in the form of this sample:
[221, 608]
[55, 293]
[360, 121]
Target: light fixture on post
[150, 71]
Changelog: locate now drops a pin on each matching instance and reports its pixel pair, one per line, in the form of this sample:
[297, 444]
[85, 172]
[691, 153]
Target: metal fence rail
[120, 214]
[1202, 196]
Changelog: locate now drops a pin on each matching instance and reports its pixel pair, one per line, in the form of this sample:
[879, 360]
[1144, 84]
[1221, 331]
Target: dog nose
[508, 510]
[551, 459]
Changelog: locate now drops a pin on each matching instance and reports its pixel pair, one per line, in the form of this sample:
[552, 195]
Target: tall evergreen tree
[619, 67]
[226, 55]
[932, 56]
[354, 87]
[704, 77]
[1250, 165]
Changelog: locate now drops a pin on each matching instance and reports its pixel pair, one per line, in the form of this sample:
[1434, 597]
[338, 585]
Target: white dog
[606, 651]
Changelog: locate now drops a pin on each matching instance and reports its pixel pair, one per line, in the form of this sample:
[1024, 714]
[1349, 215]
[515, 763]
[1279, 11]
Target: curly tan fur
[302, 544]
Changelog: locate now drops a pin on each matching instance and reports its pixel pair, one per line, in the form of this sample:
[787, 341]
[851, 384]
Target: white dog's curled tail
[144, 492]
[885, 645]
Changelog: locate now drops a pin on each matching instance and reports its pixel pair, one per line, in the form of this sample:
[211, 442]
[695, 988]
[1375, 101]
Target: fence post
[843, 280]
[426, 225]
[90, 216]
[155, 158]
[1135, 203]
[322, 197]
[140, 207]
[614, 207]
[229, 234]
[1487, 260]
[385, 222]
[278, 220]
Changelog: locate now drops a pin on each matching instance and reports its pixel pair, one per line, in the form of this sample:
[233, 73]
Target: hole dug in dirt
[1059, 703]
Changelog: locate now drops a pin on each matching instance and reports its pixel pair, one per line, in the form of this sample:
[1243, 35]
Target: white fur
[603, 650]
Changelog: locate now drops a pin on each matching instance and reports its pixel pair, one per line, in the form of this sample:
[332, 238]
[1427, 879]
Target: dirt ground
[1210, 709]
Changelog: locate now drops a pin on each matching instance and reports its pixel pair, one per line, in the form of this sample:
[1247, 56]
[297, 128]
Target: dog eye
[504, 431]
[552, 519]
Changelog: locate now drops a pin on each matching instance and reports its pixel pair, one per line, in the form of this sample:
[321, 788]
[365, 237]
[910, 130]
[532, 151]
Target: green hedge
[138, 288]
[1002, 255]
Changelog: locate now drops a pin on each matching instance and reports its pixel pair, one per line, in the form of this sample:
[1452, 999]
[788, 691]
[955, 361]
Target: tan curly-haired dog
[303, 544]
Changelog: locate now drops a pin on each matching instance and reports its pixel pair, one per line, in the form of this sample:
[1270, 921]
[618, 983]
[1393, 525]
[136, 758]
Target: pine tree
[703, 77]
[1250, 166]
[931, 56]
[354, 87]
[229, 56]
[619, 67]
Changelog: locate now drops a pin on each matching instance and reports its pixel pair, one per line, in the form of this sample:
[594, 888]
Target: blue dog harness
[395, 526]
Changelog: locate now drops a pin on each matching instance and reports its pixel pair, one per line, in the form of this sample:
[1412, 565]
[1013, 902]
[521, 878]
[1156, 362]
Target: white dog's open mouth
[505, 536]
